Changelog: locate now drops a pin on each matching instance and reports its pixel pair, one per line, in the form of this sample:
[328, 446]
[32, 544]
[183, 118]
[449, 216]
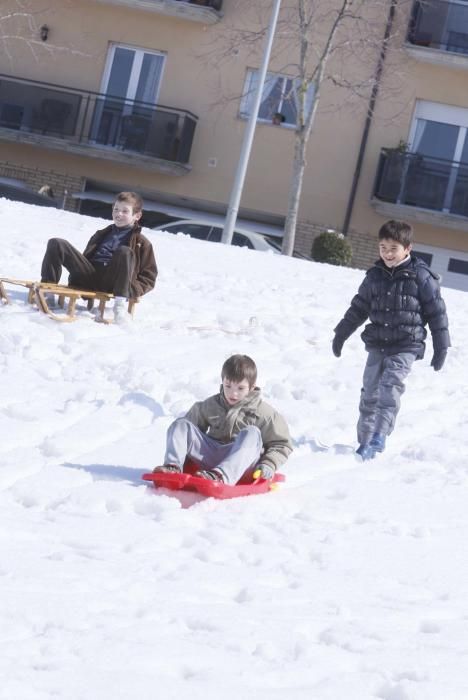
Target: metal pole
[233, 206]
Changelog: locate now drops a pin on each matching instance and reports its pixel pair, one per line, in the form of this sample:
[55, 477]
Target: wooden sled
[37, 292]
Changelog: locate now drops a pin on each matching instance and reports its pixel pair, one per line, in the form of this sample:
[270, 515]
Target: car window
[215, 234]
[240, 239]
[237, 239]
[199, 231]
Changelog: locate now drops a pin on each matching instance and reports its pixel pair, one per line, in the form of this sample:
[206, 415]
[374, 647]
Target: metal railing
[439, 24]
[215, 4]
[95, 119]
[421, 181]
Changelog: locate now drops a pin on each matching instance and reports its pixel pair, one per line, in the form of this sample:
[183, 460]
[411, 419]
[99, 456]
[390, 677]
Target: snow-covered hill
[348, 583]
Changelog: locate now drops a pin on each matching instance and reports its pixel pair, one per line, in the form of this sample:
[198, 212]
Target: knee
[180, 425]
[251, 432]
[54, 243]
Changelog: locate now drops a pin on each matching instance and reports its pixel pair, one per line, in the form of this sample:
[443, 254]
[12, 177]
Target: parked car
[18, 191]
[205, 230]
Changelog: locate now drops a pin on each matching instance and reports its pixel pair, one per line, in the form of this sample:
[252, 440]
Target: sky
[348, 582]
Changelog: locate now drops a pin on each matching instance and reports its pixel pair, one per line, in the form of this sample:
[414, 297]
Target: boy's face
[123, 216]
[235, 391]
[393, 253]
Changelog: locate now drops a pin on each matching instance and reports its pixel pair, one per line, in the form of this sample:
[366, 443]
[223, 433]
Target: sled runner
[186, 481]
[38, 291]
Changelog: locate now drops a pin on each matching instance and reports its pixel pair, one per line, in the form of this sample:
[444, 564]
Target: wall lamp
[44, 32]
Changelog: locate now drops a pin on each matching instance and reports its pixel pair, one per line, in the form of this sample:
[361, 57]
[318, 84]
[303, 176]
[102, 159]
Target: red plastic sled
[186, 481]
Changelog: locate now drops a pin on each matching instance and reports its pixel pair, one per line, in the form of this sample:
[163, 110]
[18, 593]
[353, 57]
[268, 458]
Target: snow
[348, 582]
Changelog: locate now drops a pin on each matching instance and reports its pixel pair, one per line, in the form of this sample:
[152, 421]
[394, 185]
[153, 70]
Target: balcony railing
[439, 24]
[206, 11]
[92, 123]
[422, 181]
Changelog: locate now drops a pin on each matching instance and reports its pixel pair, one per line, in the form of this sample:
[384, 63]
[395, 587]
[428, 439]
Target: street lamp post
[233, 206]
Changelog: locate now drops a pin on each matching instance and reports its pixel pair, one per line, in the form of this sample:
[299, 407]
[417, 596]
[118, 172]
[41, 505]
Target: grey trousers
[382, 387]
[114, 277]
[184, 440]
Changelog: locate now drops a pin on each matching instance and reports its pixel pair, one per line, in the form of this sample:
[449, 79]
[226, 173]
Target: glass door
[131, 83]
[437, 169]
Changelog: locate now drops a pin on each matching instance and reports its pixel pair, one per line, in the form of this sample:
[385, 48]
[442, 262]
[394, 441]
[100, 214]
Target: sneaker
[121, 314]
[167, 469]
[213, 474]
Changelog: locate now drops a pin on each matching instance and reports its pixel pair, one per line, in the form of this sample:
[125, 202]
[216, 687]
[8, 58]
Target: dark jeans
[114, 277]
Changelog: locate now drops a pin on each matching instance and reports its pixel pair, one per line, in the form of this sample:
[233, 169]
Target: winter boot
[121, 315]
[378, 442]
[213, 474]
[369, 450]
[167, 469]
[366, 451]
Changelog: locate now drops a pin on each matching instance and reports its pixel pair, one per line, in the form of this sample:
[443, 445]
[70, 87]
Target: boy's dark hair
[398, 231]
[240, 367]
[131, 198]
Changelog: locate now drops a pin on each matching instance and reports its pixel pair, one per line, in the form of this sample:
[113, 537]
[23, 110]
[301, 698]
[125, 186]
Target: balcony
[138, 134]
[205, 11]
[438, 32]
[422, 188]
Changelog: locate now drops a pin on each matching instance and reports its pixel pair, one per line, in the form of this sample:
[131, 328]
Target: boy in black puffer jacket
[400, 295]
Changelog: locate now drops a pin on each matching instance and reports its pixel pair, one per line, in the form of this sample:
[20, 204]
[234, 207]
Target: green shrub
[333, 248]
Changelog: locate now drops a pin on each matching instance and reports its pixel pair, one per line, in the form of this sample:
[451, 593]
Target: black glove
[438, 359]
[337, 345]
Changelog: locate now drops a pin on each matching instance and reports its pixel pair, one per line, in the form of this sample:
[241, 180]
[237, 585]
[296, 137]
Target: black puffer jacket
[399, 303]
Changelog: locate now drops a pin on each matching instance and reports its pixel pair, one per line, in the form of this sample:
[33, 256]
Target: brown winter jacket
[223, 422]
[145, 270]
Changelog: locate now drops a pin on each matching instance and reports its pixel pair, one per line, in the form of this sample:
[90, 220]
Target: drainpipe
[370, 114]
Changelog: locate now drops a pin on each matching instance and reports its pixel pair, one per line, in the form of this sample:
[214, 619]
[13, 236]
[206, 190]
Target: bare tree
[21, 26]
[337, 42]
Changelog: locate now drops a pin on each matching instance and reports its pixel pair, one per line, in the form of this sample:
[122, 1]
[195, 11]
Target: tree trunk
[295, 190]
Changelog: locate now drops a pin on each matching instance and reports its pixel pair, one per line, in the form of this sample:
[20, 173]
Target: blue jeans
[185, 440]
[382, 388]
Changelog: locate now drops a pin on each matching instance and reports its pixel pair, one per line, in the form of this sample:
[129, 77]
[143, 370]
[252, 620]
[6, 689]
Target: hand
[264, 471]
[337, 345]
[438, 359]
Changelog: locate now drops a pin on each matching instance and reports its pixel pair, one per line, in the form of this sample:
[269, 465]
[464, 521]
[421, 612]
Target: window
[199, 231]
[438, 177]
[243, 241]
[131, 82]
[279, 97]
[459, 266]
[427, 257]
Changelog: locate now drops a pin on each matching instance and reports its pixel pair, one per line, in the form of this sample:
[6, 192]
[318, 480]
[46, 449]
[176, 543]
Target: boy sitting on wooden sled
[231, 432]
[117, 259]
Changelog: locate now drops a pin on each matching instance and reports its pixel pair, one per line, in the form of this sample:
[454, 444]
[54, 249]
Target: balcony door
[454, 30]
[437, 178]
[131, 83]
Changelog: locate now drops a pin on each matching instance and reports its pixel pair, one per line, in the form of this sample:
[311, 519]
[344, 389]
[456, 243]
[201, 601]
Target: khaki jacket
[222, 422]
[145, 270]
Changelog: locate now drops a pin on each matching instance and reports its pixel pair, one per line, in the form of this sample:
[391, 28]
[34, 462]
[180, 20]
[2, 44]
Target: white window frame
[136, 68]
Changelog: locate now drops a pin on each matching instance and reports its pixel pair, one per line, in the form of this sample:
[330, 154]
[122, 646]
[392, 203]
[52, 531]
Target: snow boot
[213, 474]
[369, 450]
[167, 469]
